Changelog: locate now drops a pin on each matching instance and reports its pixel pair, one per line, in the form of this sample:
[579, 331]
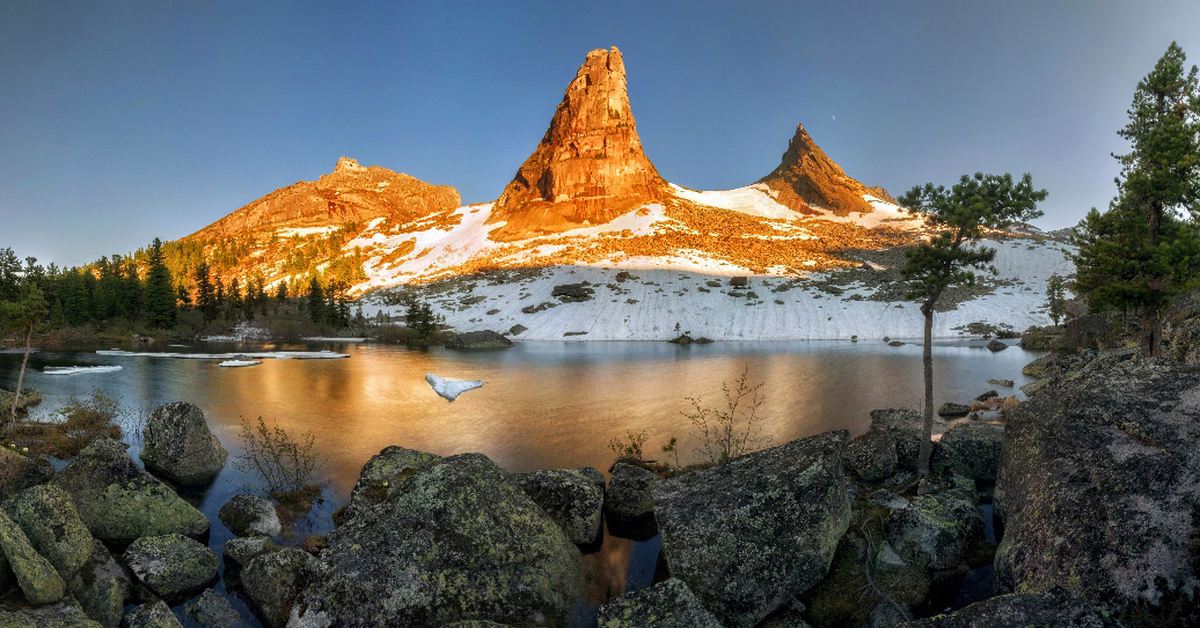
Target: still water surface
[543, 404]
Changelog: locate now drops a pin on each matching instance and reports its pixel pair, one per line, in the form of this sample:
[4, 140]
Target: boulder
[180, 447]
[1007, 383]
[37, 578]
[995, 346]
[953, 410]
[380, 478]
[906, 426]
[250, 515]
[63, 614]
[18, 472]
[572, 292]
[271, 582]
[172, 566]
[748, 535]
[872, 456]
[486, 339]
[239, 552]
[969, 449]
[628, 495]
[1054, 609]
[212, 610]
[47, 516]
[987, 395]
[668, 604]
[574, 498]
[101, 587]
[154, 614]
[120, 502]
[1097, 490]
[935, 529]
[455, 540]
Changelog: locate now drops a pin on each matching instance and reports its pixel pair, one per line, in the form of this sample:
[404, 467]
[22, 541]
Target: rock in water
[486, 339]
[120, 502]
[48, 517]
[35, 575]
[250, 515]
[151, 615]
[590, 166]
[450, 389]
[272, 580]
[668, 604]
[456, 540]
[172, 566]
[1097, 490]
[180, 447]
[212, 610]
[572, 497]
[749, 535]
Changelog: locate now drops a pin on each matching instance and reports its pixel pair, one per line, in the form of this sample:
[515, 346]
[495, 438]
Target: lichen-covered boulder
[668, 604]
[180, 447]
[101, 587]
[250, 515]
[1054, 609]
[485, 339]
[172, 566]
[154, 614]
[750, 534]
[971, 450]
[952, 409]
[63, 614]
[1097, 489]
[380, 476]
[48, 517]
[872, 456]
[18, 472]
[574, 498]
[907, 426]
[239, 552]
[628, 494]
[455, 540]
[935, 529]
[120, 502]
[37, 578]
[271, 582]
[211, 610]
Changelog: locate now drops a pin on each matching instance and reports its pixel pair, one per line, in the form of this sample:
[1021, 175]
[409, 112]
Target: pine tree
[1055, 298]
[316, 300]
[24, 314]
[160, 293]
[206, 297]
[959, 215]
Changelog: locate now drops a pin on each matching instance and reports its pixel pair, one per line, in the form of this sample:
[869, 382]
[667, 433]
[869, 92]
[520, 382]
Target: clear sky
[122, 121]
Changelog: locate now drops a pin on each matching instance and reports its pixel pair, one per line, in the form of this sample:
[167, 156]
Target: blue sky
[122, 121]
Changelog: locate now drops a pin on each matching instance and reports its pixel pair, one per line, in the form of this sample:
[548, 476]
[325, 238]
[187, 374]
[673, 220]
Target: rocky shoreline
[1091, 480]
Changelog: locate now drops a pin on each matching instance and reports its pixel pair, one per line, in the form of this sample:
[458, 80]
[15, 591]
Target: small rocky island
[1092, 481]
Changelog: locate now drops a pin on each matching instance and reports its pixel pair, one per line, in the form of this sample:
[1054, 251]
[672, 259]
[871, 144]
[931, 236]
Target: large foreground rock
[18, 472]
[381, 476]
[151, 615]
[668, 604]
[1097, 488]
[180, 447]
[971, 450]
[749, 535]
[48, 517]
[35, 575]
[272, 580]
[574, 498]
[934, 530]
[64, 614]
[906, 426]
[101, 587]
[120, 502]
[172, 566]
[1045, 610]
[455, 540]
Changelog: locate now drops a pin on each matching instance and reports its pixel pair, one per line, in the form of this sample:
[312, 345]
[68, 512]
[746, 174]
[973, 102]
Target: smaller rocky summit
[37, 578]
[574, 498]
[250, 515]
[172, 566]
[486, 339]
[119, 501]
[668, 604]
[180, 447]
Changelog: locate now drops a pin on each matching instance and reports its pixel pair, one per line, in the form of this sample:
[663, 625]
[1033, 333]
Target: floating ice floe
[76, 370]
[333, 339]
[450, 389]
[323, 354]
[237, 363]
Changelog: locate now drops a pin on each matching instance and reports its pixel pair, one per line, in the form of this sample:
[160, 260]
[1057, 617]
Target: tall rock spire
[590, 167]
[807, 180]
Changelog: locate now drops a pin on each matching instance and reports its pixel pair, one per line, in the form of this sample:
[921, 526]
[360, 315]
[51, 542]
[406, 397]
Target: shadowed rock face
[590, 167]
[807, 179]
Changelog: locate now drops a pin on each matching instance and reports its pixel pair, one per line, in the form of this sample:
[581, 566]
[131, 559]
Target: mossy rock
[668, 604]
[48, 517]
[1053, 609]
[272, 581]
[872, 456]
[63, 614]
[574, 498]
[38, 580]
[935, 530]
[18, 472]
[180, 446]
[969, 449]
[172, 566]
[154, 614]
[101, 586]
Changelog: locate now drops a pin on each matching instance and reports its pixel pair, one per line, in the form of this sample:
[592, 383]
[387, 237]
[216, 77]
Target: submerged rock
[120, 502]
[180, 447]
[172, 566]
[486, 339]
[748, 535]
[250, 515]
[452, 541]
[48, 517]
[668, 604]
[38, 580]
[574, 498]
[1097, 490]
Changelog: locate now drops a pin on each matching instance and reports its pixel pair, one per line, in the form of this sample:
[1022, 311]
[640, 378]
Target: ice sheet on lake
[239, 363]
[76, 370]
[323, 354]
[450, 389]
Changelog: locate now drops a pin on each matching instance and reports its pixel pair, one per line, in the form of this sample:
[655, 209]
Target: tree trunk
[21, 377]
[927, 360]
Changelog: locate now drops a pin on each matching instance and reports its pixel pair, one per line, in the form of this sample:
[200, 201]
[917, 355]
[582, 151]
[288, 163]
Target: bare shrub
[285, 464]
[731, 431]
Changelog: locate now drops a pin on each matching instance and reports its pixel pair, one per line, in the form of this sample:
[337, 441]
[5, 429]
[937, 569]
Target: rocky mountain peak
[589, 167]
[346, 163]
[807, 180]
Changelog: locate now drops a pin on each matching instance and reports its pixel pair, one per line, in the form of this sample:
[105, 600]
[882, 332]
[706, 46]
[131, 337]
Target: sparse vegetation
[285, 464]
[630, 449]
[733, 430]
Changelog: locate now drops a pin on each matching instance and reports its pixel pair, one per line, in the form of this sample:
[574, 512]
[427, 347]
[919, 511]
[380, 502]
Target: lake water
[543, 404]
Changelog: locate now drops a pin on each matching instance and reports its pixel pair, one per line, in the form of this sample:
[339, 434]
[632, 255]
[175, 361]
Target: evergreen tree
[1055, 298]
[183, 297]
[220, 298]
[316, 300]
[206, 296]
[23, 313]
[959, 215]
[233, 300]
[160, 293]
[419, 317]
